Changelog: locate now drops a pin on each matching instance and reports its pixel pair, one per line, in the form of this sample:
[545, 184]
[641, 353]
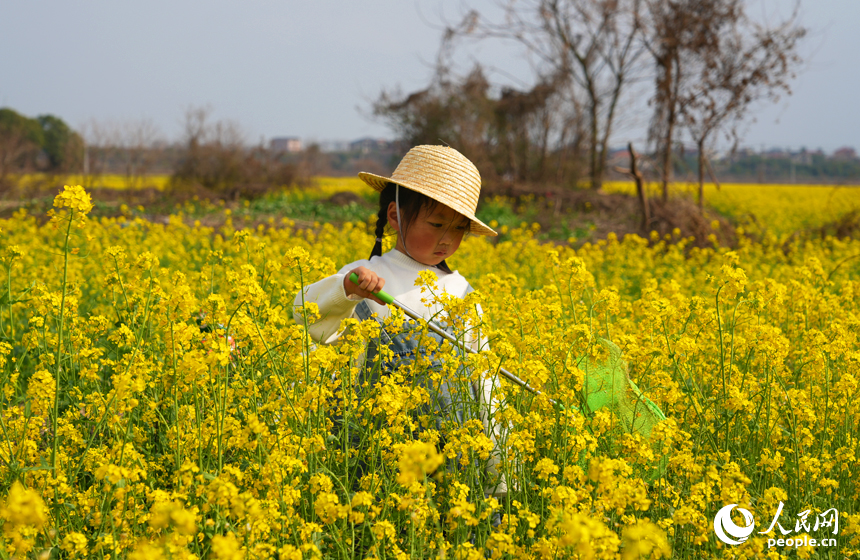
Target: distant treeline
[767, 168]
[817, 169]
[45, 143]
[211, 159]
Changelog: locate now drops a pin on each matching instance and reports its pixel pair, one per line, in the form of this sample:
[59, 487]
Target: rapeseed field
[110, 181]
[773, 210]
[160, 401]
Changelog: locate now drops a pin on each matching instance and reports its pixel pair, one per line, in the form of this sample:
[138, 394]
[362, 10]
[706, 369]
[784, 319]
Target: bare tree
[636, 174]
[592, 41]
[101, 142]
[534, 127]
[678, 33]
[702, 50]
[216, 157]
[750, 62]
[531, 135]
[214, 153]
[138, 141]
[595, 49]
[451, 110]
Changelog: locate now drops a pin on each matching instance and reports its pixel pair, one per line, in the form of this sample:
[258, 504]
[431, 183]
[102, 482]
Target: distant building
[845, 153]
[334, 146]
[742, 153]
[367, 145]
[776, 153]
[286, 144]
[618, 157]
[688, 150]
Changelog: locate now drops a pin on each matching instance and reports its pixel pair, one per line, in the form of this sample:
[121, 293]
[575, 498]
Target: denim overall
[451, 400]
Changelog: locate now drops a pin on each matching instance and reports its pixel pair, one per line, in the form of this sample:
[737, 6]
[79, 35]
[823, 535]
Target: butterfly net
[607, 385]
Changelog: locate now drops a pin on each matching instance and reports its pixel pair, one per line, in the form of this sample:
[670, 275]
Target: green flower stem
[9, 295]
[60, 342]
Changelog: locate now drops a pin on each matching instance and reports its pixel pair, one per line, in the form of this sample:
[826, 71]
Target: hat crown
[443, 174]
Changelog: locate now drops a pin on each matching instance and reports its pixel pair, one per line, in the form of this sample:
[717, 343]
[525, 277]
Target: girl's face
[433, 236]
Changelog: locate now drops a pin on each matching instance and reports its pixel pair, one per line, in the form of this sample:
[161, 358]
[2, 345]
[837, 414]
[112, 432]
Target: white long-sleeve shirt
[400, 273]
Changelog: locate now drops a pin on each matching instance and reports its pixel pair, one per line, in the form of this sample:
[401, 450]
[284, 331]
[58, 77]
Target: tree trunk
[668, 97]
[640, 189]
[544, 148]
[701, 147]
[665, 175]
[594, 165]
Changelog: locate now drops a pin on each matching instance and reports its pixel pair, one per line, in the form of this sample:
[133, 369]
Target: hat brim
[378, 183]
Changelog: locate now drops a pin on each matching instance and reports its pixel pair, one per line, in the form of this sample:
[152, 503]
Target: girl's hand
[368, 282]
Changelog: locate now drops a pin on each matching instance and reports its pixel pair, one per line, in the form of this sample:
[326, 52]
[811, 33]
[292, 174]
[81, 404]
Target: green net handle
[380, 294]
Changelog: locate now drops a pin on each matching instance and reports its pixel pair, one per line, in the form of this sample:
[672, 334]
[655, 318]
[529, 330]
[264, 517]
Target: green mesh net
[607, 385]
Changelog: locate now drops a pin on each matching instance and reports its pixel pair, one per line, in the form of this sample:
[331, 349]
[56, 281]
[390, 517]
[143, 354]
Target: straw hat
[443, 174]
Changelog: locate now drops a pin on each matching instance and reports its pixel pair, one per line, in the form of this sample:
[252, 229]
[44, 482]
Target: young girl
[429, 202]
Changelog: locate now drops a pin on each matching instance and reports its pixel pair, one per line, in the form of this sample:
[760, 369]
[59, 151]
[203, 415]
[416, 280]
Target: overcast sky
[312, 68]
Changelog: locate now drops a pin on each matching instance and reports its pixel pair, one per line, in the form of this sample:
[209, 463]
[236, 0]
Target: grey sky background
[311, 69]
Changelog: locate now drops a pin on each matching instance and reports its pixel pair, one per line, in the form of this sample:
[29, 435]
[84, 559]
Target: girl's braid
[381, 220]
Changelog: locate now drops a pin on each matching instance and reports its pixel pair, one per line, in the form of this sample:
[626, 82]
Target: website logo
[731, 533]
[726, 529]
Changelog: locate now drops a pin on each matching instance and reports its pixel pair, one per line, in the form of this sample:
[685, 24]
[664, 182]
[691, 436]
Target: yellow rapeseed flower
[75, 544]
[644, 540]
[23, 514]
[416, 460]
[74, 197]
[227, 547]
[23, 507]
